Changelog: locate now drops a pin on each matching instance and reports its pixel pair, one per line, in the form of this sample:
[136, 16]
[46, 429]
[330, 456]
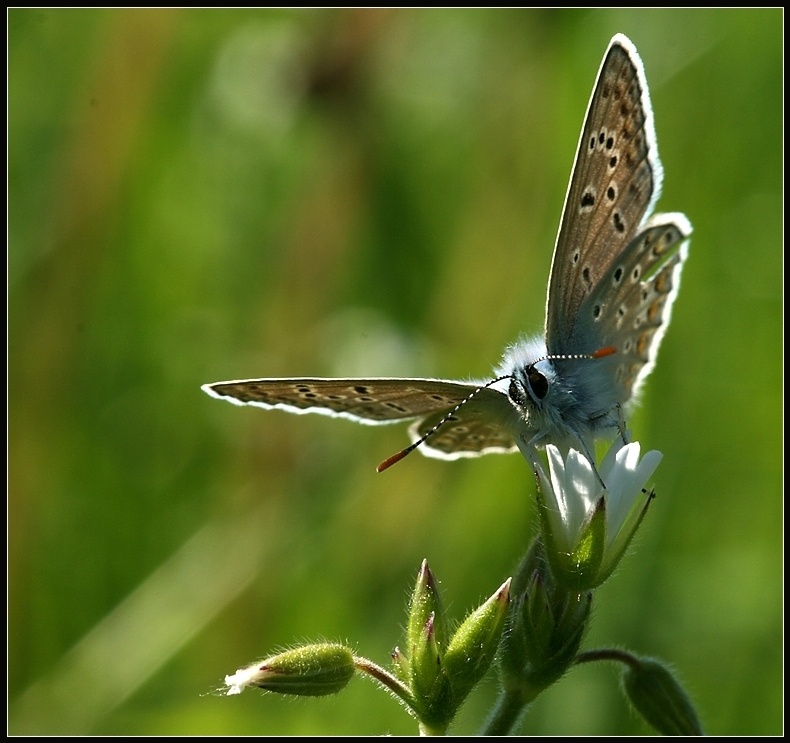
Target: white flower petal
[243, 678]
[575, 488]
[583, 489]
[625, 484]
[555, 496]
[558, 479]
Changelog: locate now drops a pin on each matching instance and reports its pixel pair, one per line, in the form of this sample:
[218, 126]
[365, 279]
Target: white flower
[587, 526]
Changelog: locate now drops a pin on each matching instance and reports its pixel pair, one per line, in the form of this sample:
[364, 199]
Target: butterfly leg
[589, 452]
[621, 424]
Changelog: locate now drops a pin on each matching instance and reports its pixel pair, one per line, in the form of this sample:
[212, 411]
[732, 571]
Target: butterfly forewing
[614, 182]
[374, 400]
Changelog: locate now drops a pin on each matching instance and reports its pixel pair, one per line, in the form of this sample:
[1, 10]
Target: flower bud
[660, 699]
[474, 644]
[546, 625]
[310, 670]
[426, 602]
[428, 678]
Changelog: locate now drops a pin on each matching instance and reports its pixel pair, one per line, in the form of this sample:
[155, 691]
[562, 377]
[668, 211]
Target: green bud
[425, 663]
[660, 699]
[538, 618]
[426, 602]
[429, 685]
[426, 640]
[546, 625]
[474, 644]
[310, 670]
[401, 664]
[571, 624]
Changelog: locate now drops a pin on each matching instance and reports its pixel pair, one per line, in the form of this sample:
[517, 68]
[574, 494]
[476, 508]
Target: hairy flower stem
[509, 709]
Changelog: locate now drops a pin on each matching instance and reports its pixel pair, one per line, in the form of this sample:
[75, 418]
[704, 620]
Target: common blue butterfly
[614, 277]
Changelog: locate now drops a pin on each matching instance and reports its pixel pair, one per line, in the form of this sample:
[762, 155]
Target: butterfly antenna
[599, 354]
[387, 463]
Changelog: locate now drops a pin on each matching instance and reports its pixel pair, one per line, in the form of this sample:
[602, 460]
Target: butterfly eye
[517, 393]
[537, 383]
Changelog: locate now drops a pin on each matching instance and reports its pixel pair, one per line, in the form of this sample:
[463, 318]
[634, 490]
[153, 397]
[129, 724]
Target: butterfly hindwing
[485, 424]
[629, 309]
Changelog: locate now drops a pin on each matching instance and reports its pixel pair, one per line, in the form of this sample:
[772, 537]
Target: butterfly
[614, 277]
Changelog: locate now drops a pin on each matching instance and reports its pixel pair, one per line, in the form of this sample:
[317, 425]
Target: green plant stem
[399, 690]
[610, 654]
[510, 708]
[385, 678]
[426, 730]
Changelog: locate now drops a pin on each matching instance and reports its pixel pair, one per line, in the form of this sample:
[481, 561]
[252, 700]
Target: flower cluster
[532, 627]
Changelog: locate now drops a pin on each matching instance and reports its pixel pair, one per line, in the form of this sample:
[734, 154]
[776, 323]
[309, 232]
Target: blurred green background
[201, 195]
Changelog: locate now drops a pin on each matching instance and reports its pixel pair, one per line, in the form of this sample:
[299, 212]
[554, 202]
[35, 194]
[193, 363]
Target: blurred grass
[201, 195]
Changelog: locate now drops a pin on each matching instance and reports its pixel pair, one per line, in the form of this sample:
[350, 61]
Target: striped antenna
[387, 463]
[395, 458]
